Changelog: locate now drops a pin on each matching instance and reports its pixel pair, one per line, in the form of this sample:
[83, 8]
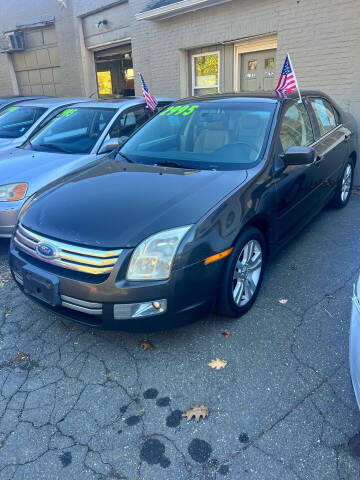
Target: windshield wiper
[167, 163]
[55, 147]
[126, 157]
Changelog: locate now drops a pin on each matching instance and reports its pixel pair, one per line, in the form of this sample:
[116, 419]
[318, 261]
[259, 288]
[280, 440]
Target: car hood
[37, 168]
[8, 142]
[117, 205]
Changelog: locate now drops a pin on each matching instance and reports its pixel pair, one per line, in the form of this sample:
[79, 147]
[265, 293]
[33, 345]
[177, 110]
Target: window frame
[314, 117]
[193, 86]
[285, 108]
[116, 118]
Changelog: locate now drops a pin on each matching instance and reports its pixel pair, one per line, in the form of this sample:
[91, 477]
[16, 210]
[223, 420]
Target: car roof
[53, 102]
[122, 102]
[270, 97]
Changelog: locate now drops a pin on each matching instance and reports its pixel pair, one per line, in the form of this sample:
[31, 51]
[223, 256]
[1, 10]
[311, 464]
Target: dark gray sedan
[184, 217]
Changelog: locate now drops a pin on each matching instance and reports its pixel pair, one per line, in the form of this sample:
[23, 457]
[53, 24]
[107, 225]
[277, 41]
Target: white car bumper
[355, 342]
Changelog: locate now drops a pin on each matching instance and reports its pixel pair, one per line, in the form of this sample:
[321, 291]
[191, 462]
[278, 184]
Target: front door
[257, 71]
[297, 189]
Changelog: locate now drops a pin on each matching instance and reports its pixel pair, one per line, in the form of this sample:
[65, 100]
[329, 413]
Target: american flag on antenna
[151, 101]
[287, 82]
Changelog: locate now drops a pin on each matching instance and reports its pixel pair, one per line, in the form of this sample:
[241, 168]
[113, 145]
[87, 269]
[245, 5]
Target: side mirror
[111, 143]
[299, 156]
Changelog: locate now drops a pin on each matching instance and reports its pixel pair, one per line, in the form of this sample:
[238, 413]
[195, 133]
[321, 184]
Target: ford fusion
[183, 217]
[73, 138]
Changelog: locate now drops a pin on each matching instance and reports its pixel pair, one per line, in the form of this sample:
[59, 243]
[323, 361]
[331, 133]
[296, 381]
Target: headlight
[13, 192]
[153, 258]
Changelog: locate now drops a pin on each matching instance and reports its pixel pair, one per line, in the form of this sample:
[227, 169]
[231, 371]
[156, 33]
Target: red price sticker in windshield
[177, 110]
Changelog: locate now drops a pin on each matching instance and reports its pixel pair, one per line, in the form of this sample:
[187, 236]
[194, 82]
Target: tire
[249, 278]
[343, 191]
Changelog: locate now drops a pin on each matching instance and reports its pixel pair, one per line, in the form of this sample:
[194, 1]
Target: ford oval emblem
[46, 250]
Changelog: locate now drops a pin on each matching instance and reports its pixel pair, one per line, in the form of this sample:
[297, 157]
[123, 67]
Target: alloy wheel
[247, 272]
[346, 183]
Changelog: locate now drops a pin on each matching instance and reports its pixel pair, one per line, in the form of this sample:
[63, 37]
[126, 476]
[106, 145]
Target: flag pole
[297, 85]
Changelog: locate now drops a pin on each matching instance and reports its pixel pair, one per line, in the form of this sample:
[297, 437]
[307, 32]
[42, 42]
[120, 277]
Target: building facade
[90, 47]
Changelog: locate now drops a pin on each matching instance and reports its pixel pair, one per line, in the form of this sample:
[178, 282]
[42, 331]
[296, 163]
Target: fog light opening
[123, 311]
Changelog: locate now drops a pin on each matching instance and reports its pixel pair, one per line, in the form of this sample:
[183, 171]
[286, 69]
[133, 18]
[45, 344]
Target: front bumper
[9, 212]
[190, 294]
[355, 342]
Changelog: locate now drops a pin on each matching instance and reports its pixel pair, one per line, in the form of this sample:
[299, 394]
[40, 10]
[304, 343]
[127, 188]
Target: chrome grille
[68, 256]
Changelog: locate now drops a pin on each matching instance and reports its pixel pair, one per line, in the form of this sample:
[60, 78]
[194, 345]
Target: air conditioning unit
[15, 42]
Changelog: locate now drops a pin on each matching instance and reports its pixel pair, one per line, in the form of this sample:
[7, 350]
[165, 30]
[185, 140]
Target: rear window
[325, 115]
[73, 130]
[15, 121]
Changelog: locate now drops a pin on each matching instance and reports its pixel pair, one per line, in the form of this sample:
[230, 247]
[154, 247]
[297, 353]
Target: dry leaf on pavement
[146, 345]
[197, 411]
[18, 357]
[226, 334]
[218, 363]
[283, 301]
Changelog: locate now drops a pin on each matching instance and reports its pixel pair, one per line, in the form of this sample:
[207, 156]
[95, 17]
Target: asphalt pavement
[78, 403]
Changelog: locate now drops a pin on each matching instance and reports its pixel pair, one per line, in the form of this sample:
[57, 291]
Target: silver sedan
[355, 342]
[72, 139]
[20, 120]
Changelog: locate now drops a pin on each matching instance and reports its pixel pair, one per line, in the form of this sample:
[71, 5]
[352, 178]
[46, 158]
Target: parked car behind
[71, 139]
[18, 122]
[355, 342]
[185, 216]
[8, 101]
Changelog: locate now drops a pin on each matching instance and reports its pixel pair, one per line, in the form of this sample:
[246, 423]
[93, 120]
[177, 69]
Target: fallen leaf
[146, 345]
[226, 334]
[330, 296]
[218, 363]
[18, 357]
[283, 301]
[197, 411]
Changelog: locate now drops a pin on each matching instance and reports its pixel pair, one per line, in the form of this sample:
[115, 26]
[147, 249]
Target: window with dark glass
[16, 121]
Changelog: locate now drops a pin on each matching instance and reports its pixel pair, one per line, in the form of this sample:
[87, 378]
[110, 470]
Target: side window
[128, 122]
[296, 127]
[325, 115]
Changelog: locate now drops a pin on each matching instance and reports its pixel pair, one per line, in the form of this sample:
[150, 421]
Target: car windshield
[222, 135]
[16, 121]
[74, 130]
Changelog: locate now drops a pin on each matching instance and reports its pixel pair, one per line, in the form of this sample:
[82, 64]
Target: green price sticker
[183, 110]
[12, 109]
[67, 113]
